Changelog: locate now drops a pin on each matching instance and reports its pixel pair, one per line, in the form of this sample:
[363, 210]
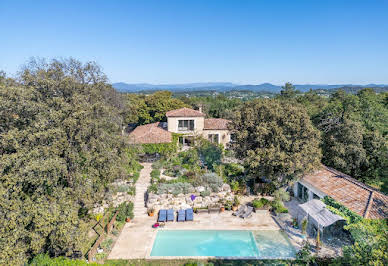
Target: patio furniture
[247, 213]
[240, 211]
[162, 215]
[181, 216]
[189, 215]
[170, 215]
[155, 225]
[214, 209]
[202, 210]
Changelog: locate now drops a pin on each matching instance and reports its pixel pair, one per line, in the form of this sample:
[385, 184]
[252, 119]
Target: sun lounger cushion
[189, 215]
[240, 211]
[162, 216]
[181, 216]
[170, 215]
[247, 213]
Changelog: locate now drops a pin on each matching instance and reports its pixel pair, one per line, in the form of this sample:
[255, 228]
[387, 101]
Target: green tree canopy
[288, 91]
[276, 139]
[145, 109]
[60, 145]
[354, 135]
[370, 244]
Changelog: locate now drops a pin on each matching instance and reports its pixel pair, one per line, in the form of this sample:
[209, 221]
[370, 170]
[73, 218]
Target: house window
[315, 196]
[303, 192]
[214, 138]
[300, 190]
[185, 125]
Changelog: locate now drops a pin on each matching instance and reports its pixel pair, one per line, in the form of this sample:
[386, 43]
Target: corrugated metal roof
[316, 209]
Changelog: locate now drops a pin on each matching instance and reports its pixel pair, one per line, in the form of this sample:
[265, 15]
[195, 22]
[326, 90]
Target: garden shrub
[45, 260]
[370, 243]
[281, 194]
[304, 255]
[123, 188]
[211, 179]
[205, 193]
[153, 188]
[132, 191]
[233, 169]
[157, 165]
[189, 158]
[106, 244]
[135, 176]
[175, 188]
[211, 153]
[125, 210]
[235, 186]
[278, 207]
[155, 173]
[260, 203]
[215, 187]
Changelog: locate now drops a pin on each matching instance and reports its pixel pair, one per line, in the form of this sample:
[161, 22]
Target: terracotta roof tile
[150, 133]
[184, 112]
[216, 123]
[349, 192]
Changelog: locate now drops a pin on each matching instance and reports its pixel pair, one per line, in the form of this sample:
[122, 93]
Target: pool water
[222, 243]
[273, 244]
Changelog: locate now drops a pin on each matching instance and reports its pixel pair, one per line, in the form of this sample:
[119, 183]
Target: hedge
[162, 148]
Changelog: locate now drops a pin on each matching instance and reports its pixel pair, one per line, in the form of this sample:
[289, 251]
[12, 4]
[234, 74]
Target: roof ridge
[353, 180]
[368, 205]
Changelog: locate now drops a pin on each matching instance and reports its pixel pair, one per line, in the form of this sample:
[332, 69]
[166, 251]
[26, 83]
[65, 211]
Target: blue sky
[202, 41]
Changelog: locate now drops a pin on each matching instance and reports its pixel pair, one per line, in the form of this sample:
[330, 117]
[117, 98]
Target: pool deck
[137, 237]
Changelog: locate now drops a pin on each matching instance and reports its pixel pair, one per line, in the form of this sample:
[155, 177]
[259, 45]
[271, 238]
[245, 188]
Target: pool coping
[149, 248]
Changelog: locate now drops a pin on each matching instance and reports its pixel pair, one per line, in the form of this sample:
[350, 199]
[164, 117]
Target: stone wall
[183, 201]
[115, 199]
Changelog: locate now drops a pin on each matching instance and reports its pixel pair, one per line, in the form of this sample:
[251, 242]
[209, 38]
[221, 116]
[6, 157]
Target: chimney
[200, 108]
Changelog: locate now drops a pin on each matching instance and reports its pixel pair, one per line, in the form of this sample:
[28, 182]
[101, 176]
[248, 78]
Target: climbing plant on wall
[162, 148]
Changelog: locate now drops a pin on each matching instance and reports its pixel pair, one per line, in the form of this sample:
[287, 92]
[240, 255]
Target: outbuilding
[320, 218]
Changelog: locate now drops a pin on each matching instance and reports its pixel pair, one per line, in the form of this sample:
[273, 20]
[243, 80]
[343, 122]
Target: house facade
[188, 123]
[358, 197]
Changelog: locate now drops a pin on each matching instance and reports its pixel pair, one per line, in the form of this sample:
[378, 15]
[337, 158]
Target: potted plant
[151, 211]
[236, 202]
[228, 205]
[304, 226]
[128, 219]
[222, 203]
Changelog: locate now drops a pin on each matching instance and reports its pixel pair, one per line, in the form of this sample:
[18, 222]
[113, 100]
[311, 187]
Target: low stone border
[93, 250]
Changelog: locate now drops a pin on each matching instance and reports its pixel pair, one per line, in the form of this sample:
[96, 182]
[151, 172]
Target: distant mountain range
[227, 86]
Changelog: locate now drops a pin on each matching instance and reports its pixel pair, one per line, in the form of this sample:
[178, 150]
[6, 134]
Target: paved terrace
[136, 238]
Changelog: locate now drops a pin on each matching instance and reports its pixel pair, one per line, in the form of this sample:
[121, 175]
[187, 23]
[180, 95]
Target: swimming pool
[222, 243]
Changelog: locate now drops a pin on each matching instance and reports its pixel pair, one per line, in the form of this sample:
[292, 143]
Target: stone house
[187, 122]
[356, 196]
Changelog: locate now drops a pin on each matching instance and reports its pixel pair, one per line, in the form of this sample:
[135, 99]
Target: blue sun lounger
[189, 215]
[170, 215]
[162, 216]
[181, 216]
